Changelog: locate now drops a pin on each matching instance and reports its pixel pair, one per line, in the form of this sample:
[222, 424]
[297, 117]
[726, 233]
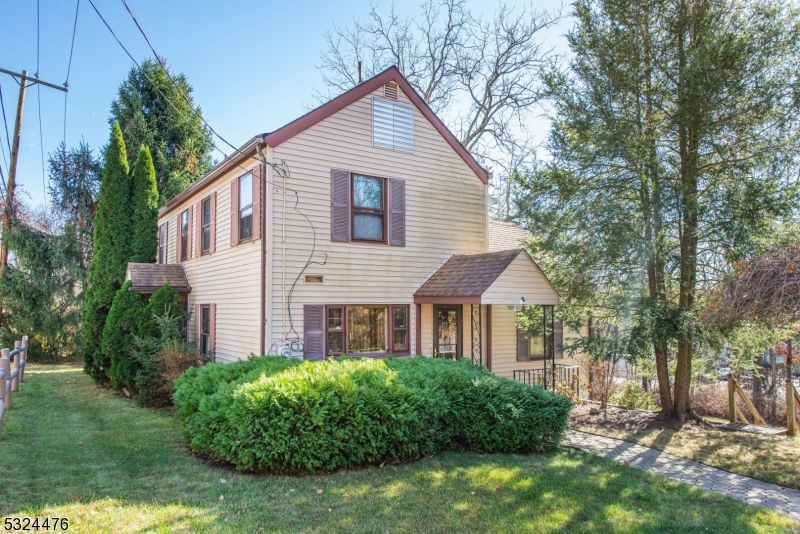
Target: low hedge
[271, 414]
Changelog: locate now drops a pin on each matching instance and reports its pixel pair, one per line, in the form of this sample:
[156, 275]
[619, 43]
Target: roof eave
[246, 151]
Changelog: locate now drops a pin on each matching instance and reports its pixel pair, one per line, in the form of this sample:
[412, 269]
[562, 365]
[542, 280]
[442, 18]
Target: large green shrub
[273, 414]
[123, 324]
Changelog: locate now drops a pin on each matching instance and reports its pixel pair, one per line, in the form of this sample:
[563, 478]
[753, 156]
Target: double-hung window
[205, 214]
[162, 243]
[365, 330]
[205, 329]
[369, 207]
[184, 230]
[246, 207]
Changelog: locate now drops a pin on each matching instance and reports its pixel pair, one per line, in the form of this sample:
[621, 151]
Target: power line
[180, 90]
[5, 122]
[39, 104]
[69, 67]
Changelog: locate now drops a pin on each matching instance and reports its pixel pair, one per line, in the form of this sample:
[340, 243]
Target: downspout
[263, 178]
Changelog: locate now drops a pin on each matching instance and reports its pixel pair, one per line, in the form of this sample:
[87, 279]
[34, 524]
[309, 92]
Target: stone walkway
[783, 500]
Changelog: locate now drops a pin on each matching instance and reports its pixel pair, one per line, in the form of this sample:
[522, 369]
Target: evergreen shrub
[271, 414]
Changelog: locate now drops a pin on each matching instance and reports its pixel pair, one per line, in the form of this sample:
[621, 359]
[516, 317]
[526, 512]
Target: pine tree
[112, 245]
[145, 209]
[154, 113]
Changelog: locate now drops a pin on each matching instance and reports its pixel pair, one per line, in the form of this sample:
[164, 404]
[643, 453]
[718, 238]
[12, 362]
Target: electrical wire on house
[69, 67]
[296, 342]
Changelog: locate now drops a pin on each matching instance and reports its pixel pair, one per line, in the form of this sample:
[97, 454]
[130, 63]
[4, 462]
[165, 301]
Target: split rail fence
[11, 375]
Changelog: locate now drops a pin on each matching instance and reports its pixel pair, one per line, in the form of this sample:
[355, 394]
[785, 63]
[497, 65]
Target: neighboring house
[362, 227]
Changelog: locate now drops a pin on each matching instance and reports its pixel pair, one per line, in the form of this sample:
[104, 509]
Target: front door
[447, 332]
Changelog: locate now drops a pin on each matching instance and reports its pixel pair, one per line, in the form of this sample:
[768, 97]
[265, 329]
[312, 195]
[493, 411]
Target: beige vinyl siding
[522, 278]
[445, 215]
[426, 333]
[504, 345]
[228, 277]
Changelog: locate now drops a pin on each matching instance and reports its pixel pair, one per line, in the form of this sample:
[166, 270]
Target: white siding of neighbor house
[228, 277]
[522, 278]
[445, 214]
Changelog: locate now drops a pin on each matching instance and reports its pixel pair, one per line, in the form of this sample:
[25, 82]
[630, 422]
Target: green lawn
[71, 449]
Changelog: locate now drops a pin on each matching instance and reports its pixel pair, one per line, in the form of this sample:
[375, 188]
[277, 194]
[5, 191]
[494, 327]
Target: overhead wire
[180, 90]
[69, 68]
[39, 105]
[286, 173]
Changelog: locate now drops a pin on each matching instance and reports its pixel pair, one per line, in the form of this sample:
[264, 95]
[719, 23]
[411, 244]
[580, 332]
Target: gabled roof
[505, 236]
[358, 92]
[467, 275]
[150, 277]
[321, 113]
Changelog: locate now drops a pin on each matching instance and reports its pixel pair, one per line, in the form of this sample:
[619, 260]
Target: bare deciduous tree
[480, 76]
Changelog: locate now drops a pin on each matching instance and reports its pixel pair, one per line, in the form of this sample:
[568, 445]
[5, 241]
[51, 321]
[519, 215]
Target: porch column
[477, 334]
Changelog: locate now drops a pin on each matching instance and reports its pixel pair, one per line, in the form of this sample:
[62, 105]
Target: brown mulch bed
[622, 419]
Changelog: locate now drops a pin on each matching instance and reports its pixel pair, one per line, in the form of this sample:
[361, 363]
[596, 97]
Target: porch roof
[150, 277]
[500, 277]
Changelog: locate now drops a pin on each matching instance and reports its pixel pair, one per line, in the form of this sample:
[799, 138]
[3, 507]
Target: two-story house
[360, 228]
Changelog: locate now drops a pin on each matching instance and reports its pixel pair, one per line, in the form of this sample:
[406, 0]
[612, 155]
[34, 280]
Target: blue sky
[252, 64]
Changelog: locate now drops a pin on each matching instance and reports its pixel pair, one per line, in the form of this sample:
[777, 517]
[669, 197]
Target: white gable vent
[390, 91]
[392, 125]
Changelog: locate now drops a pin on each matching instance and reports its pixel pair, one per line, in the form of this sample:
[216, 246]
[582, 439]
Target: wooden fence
[10, 378]
[735, 414]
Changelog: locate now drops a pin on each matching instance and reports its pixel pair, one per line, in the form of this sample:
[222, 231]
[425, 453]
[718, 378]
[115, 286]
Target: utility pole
[12, 171]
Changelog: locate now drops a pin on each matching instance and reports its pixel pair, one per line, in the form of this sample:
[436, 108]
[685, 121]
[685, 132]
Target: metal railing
[10, 379]
[564, 379]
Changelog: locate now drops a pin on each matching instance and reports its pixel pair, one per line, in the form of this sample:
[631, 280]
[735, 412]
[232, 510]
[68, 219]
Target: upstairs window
[162, 243]
[392, 125]
[205, 221]
[184, 230]
[246, 207]
[368, 208]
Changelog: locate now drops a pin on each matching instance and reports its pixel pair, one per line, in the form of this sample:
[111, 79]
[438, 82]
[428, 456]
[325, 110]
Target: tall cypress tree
[112, 246]
[145, 209]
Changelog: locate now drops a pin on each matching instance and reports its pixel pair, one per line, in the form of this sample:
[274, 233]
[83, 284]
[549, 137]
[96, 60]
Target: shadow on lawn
[79, 451]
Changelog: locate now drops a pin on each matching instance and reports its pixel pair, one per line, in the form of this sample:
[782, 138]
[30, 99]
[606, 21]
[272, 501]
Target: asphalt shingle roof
[467, 275]
[505, 236]
[150, 277]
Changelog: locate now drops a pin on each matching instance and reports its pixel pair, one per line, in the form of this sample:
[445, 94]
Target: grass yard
[774, 459]
[71, 449]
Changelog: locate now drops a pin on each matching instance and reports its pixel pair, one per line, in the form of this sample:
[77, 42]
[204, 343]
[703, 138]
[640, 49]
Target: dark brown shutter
[178, 238]
[558, 339]
[257, 202]
[197, 324]
[190, 233]
[340, 206]
[198, 229]
[313, 328]
[213, 241]
[212, 329]
[523, 347]
[235, 212]
[397, 213]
